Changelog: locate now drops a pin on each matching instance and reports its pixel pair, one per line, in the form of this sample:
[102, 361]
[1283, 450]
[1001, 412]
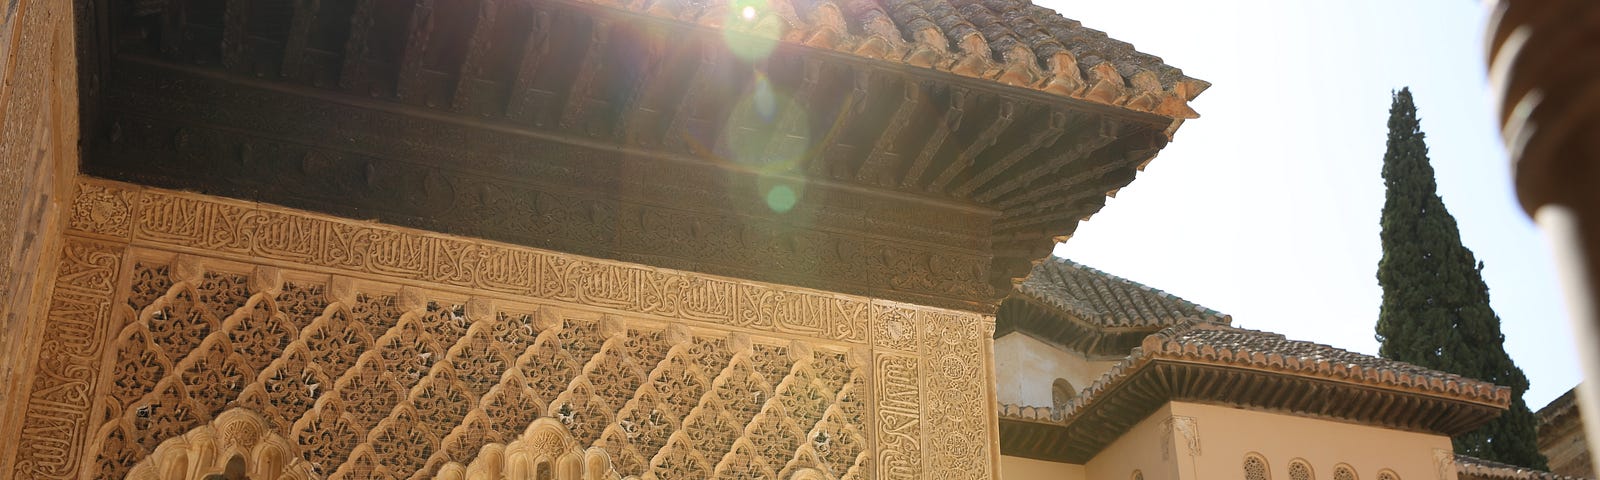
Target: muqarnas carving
[238, 444]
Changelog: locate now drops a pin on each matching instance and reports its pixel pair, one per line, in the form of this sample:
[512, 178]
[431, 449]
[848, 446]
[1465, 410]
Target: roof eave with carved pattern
[977, 134]
[1010, 42]
[1223, 365]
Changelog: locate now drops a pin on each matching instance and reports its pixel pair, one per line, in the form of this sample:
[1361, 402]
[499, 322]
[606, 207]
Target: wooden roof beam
[876, 169]
[979, 145]
[628, 110]
[677, 127]
[959, 98]
[782, 143]
[477, 49]
[354, 71]
[303, 14]
[235, 23]
[172, 29]
[1043, 138]
[534, 51]
[583, 81]
[1056, 190]
[408, 84]
[1075, 212]
[853, 108]
[1096, 135]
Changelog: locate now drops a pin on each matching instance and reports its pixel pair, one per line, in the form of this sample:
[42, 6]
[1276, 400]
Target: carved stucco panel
[378, 350]
[58, 410]
[955, 402]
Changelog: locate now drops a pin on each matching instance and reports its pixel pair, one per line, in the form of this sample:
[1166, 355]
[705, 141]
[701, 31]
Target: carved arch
[545, 451]
[236, 436]
[808, 474]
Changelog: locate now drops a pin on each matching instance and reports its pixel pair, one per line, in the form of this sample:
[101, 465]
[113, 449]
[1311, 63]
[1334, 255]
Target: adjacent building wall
[38, 156]
[1148, 448]
[1018, 468]
[1027, 367]
[1561, 437]
[1223, 436]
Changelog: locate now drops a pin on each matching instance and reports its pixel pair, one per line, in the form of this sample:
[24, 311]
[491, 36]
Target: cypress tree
[1435, 305]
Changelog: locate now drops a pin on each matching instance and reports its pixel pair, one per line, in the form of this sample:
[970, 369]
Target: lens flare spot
[765, 102]
[767, 129]
[781, 198]
[754, 36]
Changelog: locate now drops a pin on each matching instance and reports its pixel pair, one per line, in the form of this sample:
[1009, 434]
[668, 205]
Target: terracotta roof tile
[1109, 301]
[1012, 42]
[1228, 346]
[1473, 468]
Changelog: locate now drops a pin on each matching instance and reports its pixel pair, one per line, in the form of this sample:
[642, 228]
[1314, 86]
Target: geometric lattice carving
[368, 380]
[236, 436]
[1344, 472]
[363, 370]
[1300, 470]
[1255, 468]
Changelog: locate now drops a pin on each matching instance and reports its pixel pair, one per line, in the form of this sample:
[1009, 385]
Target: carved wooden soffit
[593, 112]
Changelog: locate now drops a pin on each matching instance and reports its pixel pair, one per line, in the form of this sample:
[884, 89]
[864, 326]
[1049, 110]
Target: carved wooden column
[1543, 66]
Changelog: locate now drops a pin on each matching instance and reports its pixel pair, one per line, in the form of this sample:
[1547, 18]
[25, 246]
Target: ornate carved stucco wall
[38, 157]
[384, 352]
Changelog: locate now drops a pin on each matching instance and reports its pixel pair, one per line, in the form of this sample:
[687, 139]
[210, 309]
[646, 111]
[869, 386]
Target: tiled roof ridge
[1091, 298]
[1169, 344]
[1011, 42]
[1155, 291]
[1489, 469]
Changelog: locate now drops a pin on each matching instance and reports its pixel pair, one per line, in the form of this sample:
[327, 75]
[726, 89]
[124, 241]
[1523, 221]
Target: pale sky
[1267, 206]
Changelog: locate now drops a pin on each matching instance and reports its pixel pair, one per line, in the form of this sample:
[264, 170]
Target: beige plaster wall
[1018, 468]
[1027, 367]
[1223, 436]
[1141, 448]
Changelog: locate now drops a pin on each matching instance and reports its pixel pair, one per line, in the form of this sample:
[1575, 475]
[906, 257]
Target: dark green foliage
[1435, 305]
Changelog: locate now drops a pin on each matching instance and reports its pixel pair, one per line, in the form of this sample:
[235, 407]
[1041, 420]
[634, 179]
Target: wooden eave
[607, 132]
[1077, 436]
[1023, 313]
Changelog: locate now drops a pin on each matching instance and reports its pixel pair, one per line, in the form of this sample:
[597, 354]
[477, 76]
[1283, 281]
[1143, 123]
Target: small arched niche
[1344, 472]
[1299, 469]
[1062, 392]
[1255, 467]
